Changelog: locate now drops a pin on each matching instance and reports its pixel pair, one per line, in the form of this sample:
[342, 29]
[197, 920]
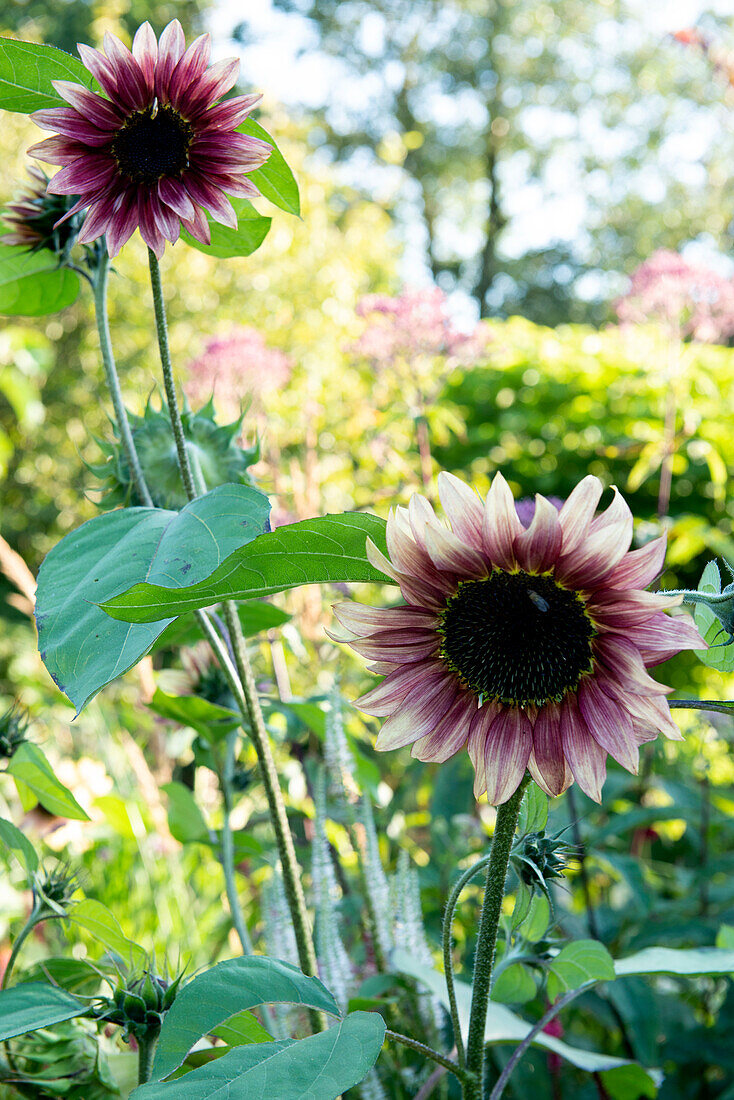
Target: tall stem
[448, 963]
[291, 872]
[99, 283]
[494, 892]
[168, 380]
[242, 682]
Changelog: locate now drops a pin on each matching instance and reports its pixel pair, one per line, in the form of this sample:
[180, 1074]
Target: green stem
[146, 1053]
[494, 892]
[99, 284]
[292, 881]
[448, 963]
[168, 380]
[35, 917]
[227, 848]
[426, 1051]
[725, 707]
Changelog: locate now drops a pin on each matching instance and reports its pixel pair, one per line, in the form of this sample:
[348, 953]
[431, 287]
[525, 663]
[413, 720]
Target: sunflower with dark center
[156, 150]
[527, 642]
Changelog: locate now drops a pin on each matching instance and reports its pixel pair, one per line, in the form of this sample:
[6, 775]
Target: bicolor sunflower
[156, 150]
[527, 643]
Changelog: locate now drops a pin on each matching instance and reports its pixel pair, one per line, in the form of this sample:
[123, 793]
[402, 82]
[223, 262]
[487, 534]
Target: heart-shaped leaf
[577, 963]
[82, 648]
[33, 284]
[314, 551]
[228, 988]
[27, 70]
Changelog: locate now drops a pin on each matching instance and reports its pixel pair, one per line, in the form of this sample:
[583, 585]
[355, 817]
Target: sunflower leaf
[27, 70]
[32, 284]
[252, 229]
[330, 549]
[275, 179]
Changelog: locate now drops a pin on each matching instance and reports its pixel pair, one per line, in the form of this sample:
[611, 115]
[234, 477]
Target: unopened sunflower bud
[538, 858]
[35, 218]
[13, 727]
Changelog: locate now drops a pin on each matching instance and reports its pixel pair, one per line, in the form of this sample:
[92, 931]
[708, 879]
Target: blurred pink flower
[236, 366]
[415, 324]
[690, 299]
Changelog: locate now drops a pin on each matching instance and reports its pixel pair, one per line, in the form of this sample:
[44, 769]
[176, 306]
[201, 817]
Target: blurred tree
[493, 111]
[70, 21]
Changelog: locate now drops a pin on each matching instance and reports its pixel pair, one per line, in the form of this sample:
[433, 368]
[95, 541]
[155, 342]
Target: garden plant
[489, 915]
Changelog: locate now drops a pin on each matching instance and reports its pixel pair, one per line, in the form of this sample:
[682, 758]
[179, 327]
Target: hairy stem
[448, 964]
[494, 892]
[291, 871]
[99, 283]
[146, 1053]
[168, 380]
[426, 1051]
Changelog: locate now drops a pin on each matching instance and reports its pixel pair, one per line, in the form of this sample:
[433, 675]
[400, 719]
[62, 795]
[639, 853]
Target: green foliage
[330, 549]
[226, 989]
[577, 963]
[17, 842]
[252, 229]
[30, 767]
[82, 648]
[105, 929]
[34, 283]
[27, 70]
[714, 624]
[275, 179]
[29, 1007]
[329, 1062]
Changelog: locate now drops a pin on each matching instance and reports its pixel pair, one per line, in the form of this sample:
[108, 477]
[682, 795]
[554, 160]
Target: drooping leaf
[16, 841]
[209, 719]
[97, 919]
[228, 988]
[252, 229]
[84, 649]
[576, 963]
[32, 283]
[30, 766]
[320, 1067]
[687, 962]
[503, 1025]
[27, 70]
[33, 1005]
[275, 179]
[314, 551]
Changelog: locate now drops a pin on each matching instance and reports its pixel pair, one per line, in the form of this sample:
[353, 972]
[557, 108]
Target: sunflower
[529, 644]
[157, 149]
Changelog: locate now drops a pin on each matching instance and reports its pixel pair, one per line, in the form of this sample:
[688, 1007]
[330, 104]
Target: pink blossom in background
[690, 299]
[415, 324]
[235, 367]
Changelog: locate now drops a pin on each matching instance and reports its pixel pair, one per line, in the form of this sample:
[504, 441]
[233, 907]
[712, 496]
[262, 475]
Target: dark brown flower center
[517, 638]
[153, 143]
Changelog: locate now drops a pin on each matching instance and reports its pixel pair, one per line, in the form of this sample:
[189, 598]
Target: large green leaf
[82, 648]
[32, 283]
[27, 70]
[503, 1026]
[320, 1067]
[275, 179]
[252, 229]
[226, 989]
[16, 841]
[314, 551]
[30, 766]
[34, 1005]
[687, 962]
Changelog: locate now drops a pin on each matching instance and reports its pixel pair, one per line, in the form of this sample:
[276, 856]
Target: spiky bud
[213, 447]
[139, 1005]
[538, 858]
[34, 216]
[13, 726]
